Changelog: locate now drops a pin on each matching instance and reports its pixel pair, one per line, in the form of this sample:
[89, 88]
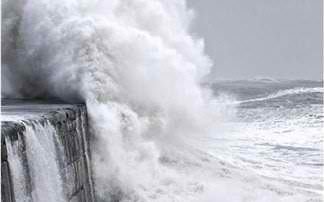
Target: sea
[275, 131]
[160, 132]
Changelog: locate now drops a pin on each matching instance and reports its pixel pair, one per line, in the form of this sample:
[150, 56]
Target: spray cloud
[138, 70]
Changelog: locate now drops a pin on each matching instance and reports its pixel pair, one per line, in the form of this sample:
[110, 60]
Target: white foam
[139, 71]
[281, 93]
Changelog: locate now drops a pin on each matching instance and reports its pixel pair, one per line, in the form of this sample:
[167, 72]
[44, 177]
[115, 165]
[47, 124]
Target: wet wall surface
[71, 128]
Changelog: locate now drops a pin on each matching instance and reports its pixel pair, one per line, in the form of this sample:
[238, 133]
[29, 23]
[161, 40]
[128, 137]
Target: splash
[132, 62]
[135, 65]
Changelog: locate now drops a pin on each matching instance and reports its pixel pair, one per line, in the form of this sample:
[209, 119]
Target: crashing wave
[281, 93]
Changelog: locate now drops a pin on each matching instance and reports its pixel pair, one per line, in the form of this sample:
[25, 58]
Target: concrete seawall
[70, 135]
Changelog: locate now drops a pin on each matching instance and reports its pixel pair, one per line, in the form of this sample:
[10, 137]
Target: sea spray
[139, 71]
[136, 67]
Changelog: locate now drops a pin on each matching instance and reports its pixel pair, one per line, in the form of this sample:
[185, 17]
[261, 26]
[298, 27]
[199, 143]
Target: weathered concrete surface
[70, 122]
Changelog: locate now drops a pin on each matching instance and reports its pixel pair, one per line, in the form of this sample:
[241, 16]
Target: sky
[261, 38]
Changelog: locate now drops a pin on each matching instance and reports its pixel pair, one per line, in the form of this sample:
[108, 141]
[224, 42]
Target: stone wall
[70, 122]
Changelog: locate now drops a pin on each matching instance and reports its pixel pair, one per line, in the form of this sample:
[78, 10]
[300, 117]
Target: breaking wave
[281, 93]
[138, 69]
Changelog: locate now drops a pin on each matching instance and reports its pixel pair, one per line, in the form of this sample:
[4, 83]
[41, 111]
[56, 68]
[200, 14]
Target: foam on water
[281, 143]
[281, 93]
[139, 71]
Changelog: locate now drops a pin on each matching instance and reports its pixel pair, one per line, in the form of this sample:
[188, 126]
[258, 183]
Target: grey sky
[266, 38]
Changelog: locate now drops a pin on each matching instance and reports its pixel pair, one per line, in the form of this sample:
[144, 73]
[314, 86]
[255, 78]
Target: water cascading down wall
[45, 152]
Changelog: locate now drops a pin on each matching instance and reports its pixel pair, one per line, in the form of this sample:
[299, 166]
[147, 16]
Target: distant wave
[265, 79]
[281, 93]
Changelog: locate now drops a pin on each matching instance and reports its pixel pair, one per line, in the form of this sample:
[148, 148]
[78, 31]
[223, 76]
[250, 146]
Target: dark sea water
[276, 131]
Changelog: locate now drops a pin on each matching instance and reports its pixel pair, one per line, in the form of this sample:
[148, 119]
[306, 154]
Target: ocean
[159, 132]
[276, 132]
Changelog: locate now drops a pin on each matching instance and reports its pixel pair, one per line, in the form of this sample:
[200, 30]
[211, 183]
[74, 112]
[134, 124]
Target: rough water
[277, 133]
[160, 133]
